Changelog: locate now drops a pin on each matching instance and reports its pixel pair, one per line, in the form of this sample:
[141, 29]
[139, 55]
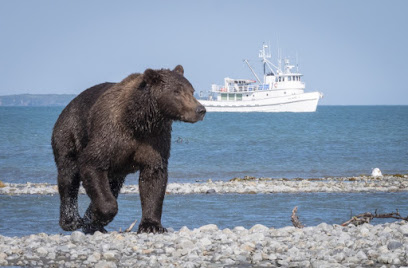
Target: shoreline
[382, 245]
[323, 245]
[246, 185]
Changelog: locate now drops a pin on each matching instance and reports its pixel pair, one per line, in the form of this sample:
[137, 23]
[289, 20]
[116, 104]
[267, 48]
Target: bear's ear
[151, 77]
[179, 69]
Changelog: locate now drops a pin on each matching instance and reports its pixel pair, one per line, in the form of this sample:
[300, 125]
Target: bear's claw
[151, 227]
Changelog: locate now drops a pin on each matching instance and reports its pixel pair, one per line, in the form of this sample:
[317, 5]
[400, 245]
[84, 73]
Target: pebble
[394, 245]
[387, 183]
[77, 237]
[404, 230]
[325, 245]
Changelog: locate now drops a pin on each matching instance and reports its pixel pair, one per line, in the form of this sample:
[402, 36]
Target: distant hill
[36, 100]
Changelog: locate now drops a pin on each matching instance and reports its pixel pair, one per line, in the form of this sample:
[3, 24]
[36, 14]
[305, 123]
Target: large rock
[209, 228]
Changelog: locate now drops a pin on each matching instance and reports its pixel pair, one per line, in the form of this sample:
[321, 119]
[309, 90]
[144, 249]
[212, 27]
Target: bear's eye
[177, 91]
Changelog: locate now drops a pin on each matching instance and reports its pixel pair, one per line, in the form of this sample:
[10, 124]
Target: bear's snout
[201, 112]
[193, 113]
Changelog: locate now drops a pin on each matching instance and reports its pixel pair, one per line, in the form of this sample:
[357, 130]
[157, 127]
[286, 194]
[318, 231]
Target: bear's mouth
[194, 116]
[192, 119]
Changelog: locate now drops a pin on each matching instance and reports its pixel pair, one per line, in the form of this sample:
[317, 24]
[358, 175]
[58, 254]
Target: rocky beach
[384, 245]
[324, 245]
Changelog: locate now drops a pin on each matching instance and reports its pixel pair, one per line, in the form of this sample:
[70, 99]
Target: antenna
[297, 62]
[279, 55]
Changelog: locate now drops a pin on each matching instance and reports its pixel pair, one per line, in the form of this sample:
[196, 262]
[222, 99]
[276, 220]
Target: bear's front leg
[152, 188]
[103, 207]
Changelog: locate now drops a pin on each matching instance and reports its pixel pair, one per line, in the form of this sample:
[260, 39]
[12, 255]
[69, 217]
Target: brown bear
[113, 129]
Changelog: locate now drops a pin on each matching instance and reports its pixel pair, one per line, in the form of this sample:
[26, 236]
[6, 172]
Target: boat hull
[305, 102]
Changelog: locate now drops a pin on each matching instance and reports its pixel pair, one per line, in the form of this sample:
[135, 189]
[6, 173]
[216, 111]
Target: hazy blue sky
[355, 52]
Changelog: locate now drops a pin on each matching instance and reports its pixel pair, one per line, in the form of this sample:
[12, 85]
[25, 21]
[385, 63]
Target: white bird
[376, 173]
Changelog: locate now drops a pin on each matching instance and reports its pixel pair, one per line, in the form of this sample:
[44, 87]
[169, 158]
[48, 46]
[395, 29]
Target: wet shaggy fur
[113, 129]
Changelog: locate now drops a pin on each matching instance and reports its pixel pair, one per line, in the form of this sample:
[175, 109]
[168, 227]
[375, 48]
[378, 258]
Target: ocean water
[334, 141]
[39, 214]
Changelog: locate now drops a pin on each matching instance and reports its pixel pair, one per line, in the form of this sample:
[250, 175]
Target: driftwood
[356, 220]
[129, 229]
[368, 216]
[295, 219]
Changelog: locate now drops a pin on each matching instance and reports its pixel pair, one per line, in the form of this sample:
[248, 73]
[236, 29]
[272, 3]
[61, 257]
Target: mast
[264, 54]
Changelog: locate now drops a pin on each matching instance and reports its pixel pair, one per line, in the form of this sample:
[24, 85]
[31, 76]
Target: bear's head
[174, 94]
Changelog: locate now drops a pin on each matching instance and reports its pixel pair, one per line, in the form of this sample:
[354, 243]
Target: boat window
[224, 96]
[289, 78]
[293, 78]
[279, 79]
[239, 97]
[231, 97]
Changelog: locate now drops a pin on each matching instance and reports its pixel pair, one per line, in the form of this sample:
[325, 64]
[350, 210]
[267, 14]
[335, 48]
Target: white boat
[280, 91]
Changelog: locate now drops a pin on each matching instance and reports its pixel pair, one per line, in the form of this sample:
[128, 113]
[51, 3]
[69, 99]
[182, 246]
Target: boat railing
[250, 88]
[236, 88]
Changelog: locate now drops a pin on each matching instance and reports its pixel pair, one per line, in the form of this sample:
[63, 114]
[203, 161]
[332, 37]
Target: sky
[354, 52]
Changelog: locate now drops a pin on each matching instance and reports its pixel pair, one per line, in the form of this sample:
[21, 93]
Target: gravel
[383, 245]
[247, 185]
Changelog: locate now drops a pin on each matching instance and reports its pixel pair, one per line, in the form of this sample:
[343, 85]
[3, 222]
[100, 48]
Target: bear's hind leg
[68, 186]
[116, 183]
